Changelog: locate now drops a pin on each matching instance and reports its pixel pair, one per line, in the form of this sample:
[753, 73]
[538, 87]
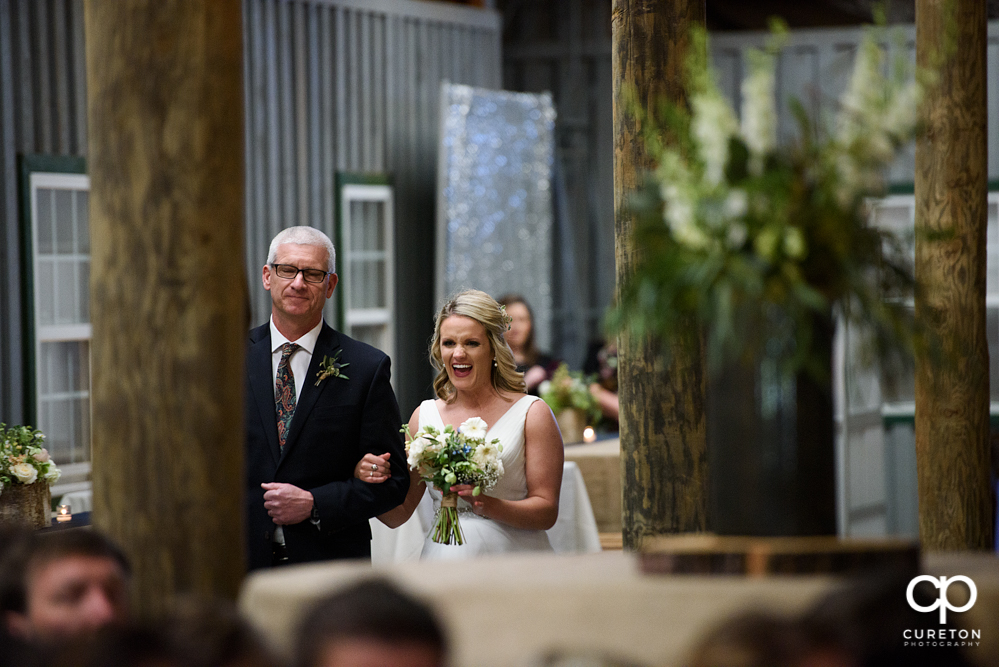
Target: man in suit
[316, 402]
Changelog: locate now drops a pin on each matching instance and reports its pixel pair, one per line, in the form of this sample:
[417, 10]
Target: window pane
[367, 284]
[367, 226]
[57, 430]
[65, 293]
[83, 290]
[83, 221]
[43, 225]
[81, 430]
[371, 334]
[64, 222]
[45, 292]
[992, 336]
[992, 245]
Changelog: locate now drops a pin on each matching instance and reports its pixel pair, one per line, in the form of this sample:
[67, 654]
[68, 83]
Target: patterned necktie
[285, 394]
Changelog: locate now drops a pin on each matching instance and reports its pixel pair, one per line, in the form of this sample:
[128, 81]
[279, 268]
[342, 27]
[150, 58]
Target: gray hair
[303, 235]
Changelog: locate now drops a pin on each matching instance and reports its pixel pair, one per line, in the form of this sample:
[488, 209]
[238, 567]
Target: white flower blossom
[794, 243]
[474, 428]
[486, 454]
[713, 124]
[736, 204]
[24, 472]
[414, 451]
[759, 109]
[736, 235]
[52, 475]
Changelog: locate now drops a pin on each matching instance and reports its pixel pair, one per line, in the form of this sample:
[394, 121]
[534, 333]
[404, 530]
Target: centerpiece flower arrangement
[24, 463]
[451, 457]
[739, 236]
[570, 391]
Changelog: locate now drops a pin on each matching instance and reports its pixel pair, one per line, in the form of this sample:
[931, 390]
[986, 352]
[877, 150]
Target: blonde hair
[482, 308]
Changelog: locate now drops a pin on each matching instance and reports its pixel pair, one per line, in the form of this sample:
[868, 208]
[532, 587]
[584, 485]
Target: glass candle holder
[63, 514]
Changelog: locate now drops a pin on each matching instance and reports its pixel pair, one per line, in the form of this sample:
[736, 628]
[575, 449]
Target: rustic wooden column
[952, 393]
[168, 289]
[663, 446]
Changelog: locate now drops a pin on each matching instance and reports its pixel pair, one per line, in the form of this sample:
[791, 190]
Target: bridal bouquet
[449, 457]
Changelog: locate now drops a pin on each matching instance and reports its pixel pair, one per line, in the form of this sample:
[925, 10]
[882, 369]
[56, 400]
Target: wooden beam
[663, 446]
[168, 289]
[952, 391]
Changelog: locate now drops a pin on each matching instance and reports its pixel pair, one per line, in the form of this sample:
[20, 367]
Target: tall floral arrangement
[740, 236]
[23, 459]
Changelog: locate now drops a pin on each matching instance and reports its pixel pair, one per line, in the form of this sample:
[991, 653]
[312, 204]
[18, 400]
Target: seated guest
[371, 624]
[63, 585]
[536, 366]
[601, 361]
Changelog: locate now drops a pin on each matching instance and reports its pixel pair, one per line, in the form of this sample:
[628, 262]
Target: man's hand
[287, 504]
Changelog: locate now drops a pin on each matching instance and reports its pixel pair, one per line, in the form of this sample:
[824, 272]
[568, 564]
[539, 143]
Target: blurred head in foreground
[62, 585]
[371, 624]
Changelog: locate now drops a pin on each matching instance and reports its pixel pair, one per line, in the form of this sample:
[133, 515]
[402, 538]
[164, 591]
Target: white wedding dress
[482, 535]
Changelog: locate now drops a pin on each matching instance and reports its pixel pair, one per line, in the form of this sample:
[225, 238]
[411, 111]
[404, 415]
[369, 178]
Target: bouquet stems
[446, 528]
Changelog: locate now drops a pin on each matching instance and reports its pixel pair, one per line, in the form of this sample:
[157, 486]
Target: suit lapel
[261, 376]
[326, 346]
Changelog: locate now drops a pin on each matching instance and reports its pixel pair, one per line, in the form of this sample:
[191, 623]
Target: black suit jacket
[334, 425]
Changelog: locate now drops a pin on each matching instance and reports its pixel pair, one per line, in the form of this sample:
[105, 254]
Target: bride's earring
[494, 362]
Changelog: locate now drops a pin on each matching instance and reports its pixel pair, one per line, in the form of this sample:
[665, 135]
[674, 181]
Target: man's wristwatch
[315, 516]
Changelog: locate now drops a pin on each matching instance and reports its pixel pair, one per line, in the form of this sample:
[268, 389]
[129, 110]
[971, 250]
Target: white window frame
[74, 475]
[356, 316]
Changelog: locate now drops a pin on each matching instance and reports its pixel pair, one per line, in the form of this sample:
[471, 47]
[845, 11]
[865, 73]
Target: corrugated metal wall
[42, 110]
[341, 85]
[330, 85]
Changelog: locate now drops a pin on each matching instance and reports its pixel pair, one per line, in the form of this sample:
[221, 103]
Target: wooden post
[952, 393]
[663, 446]
[168, 290]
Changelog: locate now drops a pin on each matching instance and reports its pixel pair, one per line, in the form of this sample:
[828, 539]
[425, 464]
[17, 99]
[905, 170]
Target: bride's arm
[544, 456]
[398, 515]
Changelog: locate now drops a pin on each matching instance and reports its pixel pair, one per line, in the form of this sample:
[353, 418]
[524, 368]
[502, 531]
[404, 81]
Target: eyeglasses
[289, 272]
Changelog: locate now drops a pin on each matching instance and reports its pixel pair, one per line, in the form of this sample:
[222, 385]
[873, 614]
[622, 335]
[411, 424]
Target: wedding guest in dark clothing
[601, 362]
[535, 365]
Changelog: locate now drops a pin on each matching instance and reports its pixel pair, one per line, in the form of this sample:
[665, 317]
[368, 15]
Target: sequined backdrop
[495, 197]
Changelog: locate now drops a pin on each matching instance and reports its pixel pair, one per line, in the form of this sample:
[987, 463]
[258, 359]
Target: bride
[477, 377]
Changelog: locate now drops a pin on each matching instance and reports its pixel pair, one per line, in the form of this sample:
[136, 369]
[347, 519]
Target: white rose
[41, 456]
[414, 451]
[25, 473]
[53, 475]
[474, 428]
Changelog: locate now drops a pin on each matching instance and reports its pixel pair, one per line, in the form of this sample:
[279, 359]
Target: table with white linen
[575, 531]
[600, 464]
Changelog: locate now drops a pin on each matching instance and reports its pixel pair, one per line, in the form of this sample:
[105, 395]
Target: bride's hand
[373, 469]
[478, 502]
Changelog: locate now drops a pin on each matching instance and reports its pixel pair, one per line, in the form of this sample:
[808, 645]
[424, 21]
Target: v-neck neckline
[494, 425]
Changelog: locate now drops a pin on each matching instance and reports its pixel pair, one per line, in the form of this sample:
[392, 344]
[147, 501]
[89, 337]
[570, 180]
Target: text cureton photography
[943, 636]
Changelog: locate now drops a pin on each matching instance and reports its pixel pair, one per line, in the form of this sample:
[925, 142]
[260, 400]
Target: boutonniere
[331, 367]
